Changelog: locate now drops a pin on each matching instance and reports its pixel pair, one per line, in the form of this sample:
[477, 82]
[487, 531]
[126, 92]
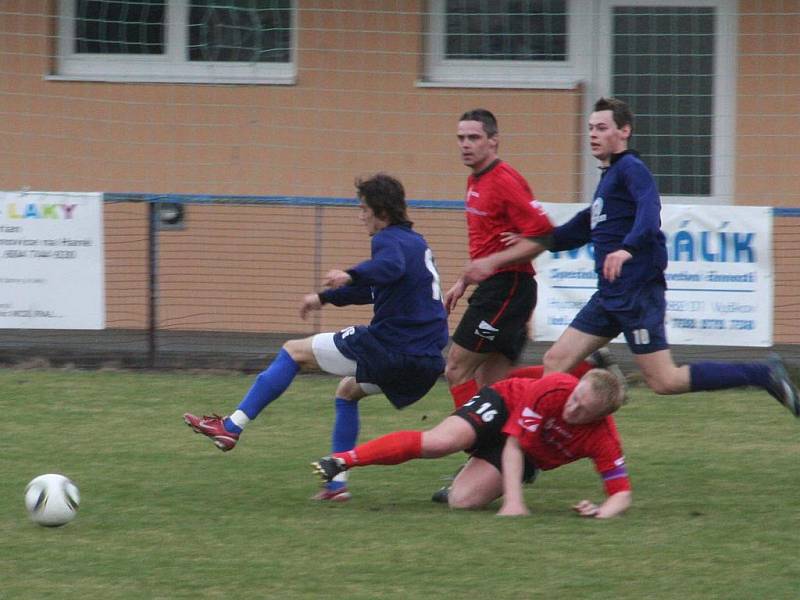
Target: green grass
[165, 515]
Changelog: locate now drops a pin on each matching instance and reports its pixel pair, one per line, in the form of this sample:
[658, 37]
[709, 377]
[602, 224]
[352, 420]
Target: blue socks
[706, 376]
[269, 384]
[346, 426]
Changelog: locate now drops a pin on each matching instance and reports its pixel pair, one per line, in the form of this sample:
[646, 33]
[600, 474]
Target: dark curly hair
[385, 196]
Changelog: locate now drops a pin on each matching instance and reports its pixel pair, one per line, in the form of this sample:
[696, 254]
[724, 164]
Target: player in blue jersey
[398, 354]
[623, 223]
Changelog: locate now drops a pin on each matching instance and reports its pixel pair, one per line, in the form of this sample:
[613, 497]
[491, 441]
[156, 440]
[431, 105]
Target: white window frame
[588, 64]
[171, 67]
[441, 72]
[724, 103]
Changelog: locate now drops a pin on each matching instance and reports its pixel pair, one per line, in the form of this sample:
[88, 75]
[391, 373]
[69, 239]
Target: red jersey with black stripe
[535, 408]
[499, 200]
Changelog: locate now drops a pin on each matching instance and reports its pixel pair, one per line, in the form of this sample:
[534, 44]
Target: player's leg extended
[664, 377]
[599, 359]
[450, 436]
[268, 385]
[646, 337]
[273, 381]
[571, 349]
[661, 373]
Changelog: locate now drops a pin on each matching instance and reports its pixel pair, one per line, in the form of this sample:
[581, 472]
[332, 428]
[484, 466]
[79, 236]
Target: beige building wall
[356, 108]
[768, 104]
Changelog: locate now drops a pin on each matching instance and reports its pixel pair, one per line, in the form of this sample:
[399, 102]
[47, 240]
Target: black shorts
[487, 413]
[496, 319]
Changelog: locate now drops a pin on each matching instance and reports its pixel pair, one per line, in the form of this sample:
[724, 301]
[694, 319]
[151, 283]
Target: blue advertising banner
[719, 277]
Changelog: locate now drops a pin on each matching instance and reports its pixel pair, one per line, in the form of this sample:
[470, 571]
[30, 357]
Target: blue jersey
[402, 283]
[625, 214]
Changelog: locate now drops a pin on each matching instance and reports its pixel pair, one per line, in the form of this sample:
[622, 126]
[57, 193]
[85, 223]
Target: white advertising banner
[719, 277]
[51, 261]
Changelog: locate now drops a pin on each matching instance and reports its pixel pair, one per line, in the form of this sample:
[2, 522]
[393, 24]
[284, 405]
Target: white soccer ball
[52, 500]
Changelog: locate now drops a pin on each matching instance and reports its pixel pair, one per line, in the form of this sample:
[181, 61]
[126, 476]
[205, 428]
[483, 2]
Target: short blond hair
[607, 390]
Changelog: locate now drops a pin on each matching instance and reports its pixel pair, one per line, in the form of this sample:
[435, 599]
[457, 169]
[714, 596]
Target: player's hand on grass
[510, 509]
[310, 302]
[453, 294]
[586, 508]
[336, 278]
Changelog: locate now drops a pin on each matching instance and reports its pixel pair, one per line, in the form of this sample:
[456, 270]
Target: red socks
[391, 449]
[582, 369]
[463, 392]
[537, 372]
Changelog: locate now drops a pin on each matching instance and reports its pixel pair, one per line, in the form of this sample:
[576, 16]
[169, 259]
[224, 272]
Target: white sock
[239, 419]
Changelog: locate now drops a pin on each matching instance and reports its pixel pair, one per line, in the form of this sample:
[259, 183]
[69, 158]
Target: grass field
[165, 515]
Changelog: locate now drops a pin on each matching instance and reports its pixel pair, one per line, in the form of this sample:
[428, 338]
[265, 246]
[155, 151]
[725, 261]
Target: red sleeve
[524, 211]
[616, 480]
[609, 460]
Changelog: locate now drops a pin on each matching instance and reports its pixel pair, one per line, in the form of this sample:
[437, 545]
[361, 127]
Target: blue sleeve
[347, 295]
[387, 265]
[574, 233]
[647, 223]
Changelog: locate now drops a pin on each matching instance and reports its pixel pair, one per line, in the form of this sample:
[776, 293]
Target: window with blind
[505, 43]
[663, 66]
[241, 41]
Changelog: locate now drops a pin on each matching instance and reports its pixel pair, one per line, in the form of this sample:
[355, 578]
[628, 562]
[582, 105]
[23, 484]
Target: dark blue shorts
[403, 378]
[642, 323]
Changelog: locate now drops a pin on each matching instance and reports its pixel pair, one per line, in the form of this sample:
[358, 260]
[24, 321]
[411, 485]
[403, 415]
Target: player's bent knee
[457, 373]
[663, 387]
[301, 351]
[291, 347]
[551, 360]
[348, 389]
[462, 501]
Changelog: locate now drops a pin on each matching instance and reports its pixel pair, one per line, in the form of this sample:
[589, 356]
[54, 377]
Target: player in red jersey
[548, 422]
[560, 425]
[493, 330]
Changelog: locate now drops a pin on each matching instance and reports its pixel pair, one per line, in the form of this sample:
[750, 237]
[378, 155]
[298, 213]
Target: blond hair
[607, 390]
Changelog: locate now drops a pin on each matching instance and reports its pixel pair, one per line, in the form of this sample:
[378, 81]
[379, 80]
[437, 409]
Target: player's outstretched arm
[308, 303]
[513, 467]
[336, 278]
[614, 505]
[524, 250]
